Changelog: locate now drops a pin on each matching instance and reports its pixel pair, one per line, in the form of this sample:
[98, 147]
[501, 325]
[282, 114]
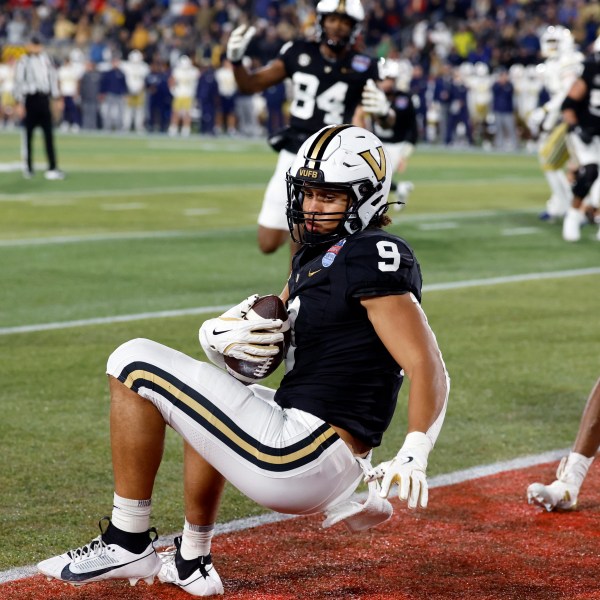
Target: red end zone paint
[477, 539]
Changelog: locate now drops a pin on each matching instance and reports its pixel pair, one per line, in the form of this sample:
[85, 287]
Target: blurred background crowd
[160, 66]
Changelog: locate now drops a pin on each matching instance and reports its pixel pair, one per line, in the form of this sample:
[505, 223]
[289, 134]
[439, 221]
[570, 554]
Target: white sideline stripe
[154, 191]
[434, 482]
[434, 287]
[126, 235]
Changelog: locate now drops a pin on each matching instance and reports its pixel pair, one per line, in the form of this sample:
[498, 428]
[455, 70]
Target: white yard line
[434, 482]
[446, 221]
[152, 191]
[434, 287]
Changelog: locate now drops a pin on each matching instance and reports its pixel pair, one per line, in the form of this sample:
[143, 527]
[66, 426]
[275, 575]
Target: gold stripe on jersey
[280, 459]
[317, 150]
[554, 153]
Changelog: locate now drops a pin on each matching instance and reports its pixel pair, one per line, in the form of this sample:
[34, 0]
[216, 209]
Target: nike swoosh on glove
[408, 470]
[245, 340]
[238, 42]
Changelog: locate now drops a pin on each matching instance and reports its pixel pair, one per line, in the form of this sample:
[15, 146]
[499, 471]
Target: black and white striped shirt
[35, 74]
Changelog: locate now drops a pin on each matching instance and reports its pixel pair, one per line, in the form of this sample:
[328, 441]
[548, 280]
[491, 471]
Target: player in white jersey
[135, 70]
[479, 84]
[69, 74]
[528, 84]
[183, 83]
[562, 66]
[7, 99]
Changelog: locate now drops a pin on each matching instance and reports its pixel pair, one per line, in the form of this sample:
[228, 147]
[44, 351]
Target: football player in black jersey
[327, 76]
[353, 299]
[581, 112]
[394, 120]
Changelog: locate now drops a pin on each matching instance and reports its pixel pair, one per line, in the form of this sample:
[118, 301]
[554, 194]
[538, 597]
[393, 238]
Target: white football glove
[407, 469]
[232, 335]
[374, 100]
[238, 42]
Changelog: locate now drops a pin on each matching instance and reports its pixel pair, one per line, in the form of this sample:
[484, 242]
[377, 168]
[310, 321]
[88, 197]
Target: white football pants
[284, 459]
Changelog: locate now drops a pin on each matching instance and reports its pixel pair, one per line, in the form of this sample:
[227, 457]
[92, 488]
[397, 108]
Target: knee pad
[584, 180]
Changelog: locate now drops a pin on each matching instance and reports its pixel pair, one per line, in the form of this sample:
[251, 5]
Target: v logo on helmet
[378, 168]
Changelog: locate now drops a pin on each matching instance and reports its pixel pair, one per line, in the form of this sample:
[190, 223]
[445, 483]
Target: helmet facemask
[351, 9]
[352, 162]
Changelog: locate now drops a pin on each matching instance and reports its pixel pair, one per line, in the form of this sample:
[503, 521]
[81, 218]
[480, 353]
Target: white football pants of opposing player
[284, 459]
[272, 214]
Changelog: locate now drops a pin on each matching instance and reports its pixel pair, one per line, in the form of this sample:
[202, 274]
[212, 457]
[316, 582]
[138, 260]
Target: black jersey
[405, 127]
[324, 92]
[337, 368]
[589, 116]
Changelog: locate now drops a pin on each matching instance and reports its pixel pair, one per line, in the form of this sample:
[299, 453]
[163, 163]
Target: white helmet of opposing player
[135, 56]
[342, 158]
[352, 9]
[555, 41]
[184, 61]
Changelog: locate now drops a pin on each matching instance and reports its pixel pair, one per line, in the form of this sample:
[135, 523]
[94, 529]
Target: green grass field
[148, 224]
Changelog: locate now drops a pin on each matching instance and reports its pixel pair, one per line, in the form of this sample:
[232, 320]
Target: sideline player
[581, 112]
[353, 299]
[561, 67]
[135, 69]
[328, 77]
[562, 494]
[183, 84]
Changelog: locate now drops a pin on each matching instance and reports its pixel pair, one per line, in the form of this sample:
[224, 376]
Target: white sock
[196, 540]
[132, 516]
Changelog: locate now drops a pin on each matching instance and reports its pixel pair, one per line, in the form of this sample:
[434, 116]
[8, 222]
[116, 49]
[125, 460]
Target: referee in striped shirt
[36, 82]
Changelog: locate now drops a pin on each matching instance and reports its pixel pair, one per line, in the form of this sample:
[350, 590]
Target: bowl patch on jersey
[330, 255]
[361, 63]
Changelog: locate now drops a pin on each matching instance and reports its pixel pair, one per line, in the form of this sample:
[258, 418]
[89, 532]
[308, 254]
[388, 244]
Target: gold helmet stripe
[317, 150]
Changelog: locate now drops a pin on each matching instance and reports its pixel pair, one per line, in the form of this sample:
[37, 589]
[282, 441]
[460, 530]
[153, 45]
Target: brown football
[266, 307]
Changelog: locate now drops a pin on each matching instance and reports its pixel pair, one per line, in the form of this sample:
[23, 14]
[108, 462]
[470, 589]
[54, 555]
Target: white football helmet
[135, 56]
[184, 61]
[556, 40]
[352, 9]
[342, 158]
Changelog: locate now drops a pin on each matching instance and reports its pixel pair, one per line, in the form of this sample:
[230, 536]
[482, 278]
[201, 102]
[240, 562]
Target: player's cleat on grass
[572, 223]
[403, 189]
[54, 175]
[114, 554]
[556, 496]
[197, 577]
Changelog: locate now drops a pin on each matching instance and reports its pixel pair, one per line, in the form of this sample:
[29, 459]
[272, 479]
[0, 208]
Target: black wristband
[569, 104]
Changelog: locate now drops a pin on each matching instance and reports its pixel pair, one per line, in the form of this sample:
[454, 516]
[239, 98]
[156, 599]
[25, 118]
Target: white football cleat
[403, 189]
[104, 558]
[197, 577]
[559, 495]
[54, 175]
[572, 223]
